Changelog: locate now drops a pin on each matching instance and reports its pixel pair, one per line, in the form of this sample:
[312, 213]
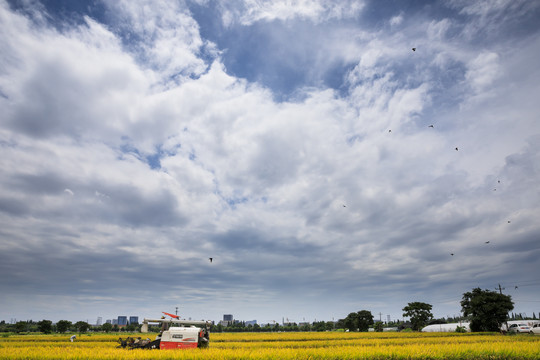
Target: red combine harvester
[175, 334]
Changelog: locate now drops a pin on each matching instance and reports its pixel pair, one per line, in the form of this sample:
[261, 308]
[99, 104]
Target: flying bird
[516, 287]
[413, 49]
[499, 181]
[389, 130]
[509, 221]
[456, 149]
[430, 126]
[344, 205]
[487, 242]
[210, 259]
[452, 254]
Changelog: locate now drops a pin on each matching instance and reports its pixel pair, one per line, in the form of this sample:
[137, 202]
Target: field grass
[302, 345]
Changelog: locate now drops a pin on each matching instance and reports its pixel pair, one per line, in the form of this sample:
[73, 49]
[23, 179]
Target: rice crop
[330, 345]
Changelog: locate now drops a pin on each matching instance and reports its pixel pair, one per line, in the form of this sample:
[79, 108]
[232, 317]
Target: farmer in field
[73, 337]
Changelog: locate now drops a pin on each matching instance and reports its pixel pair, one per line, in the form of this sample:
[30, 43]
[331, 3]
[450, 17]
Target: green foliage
[81, 326]
[378, 327]
[360, 321]
[107, 327]
[487, 310]
[319, 326]
[21, 326]
[365, 320]
[420, 314]
[461, 329]
[45, 326]
[63, 325]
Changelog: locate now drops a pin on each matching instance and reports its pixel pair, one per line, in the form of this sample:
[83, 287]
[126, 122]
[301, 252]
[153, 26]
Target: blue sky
[289, 141]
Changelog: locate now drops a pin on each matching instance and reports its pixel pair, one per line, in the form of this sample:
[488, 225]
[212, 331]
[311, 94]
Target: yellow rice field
[330, 345]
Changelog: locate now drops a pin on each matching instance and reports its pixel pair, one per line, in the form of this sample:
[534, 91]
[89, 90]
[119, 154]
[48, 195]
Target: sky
[323, 165]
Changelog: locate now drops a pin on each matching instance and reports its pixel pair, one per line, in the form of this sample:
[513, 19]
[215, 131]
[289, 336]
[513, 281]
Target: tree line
[485, 310]
[62, 326]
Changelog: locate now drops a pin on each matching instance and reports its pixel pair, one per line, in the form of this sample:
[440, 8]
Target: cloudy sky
[291, 141]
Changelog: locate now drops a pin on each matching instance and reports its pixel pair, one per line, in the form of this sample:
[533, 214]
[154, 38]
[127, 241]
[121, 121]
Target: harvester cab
[178, 334]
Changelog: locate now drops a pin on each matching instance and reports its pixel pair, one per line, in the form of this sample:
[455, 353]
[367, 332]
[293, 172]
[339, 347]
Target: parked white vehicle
[509, 323]
[535, 329]
[519, 328]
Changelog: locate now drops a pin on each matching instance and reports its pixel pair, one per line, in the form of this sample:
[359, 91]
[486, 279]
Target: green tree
[378, 327]
[365, 320]
[21, 326]
[319, 326]
[487, 309]
[81, 326]
[45, 326]
[63, 325]
[107, 327]
[360, 321]
[351, 322]
[420, 314]
[330, 325]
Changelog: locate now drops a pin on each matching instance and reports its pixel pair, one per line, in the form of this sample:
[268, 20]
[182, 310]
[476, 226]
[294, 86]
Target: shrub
[461, 329]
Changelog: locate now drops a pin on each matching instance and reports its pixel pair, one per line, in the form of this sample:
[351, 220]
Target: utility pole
[380, 316]
[176, 311]
[500, 292]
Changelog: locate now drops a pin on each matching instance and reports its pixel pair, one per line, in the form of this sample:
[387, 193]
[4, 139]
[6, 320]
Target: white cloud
[396, 20]
[437, 29]
[163, 36]
[251, 11]
[482, 71]
[490, 17]
[80, 82]
[261, 184]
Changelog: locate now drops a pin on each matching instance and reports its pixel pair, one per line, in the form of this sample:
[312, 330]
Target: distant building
[251, 322]
[228, 319]
[115, 321]
[108, 321]
[122, 320]
[133, 320]
[99, 321]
